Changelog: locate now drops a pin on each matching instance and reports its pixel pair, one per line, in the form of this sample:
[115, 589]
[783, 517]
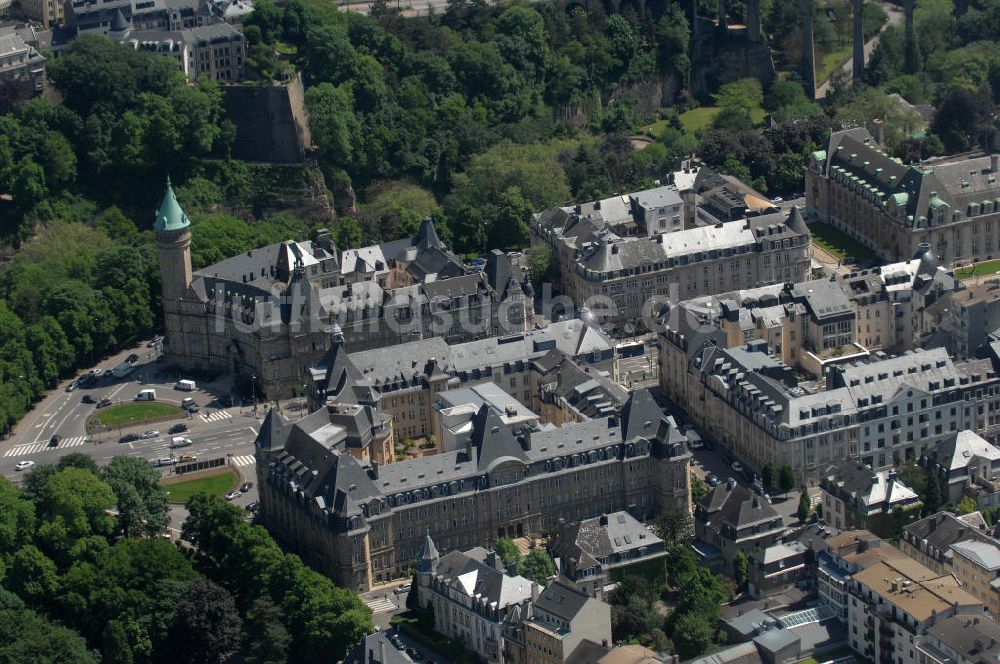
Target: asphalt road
[214, 431]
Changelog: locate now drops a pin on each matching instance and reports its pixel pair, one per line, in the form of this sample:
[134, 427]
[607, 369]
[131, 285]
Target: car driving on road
[233, 495]
[88, 399]
[152, 433]
[23, 465]
[178, 428]
[129, 438]
[55, 440]
[103, 403]
[246, 487]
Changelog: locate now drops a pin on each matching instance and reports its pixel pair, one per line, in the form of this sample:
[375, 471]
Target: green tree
[332, 121]
[805, 506]
[33, 576]
[675, 527]
[115, 647]
[745, 94]
[266, 640]
[786, 478]
[767, 475]
[73, 505]
[206, 627]
[509, 554]
[698, 489]
[966, 505]
[347, 234]
[538, 566]
[27, 637]
[741, 567]
[141, 501]
[932, 499]
[693, 635]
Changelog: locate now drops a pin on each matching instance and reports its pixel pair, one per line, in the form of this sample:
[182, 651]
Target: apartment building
[853, 493]
[815, 324]
[472, 597]
[49, 13]
[19, 60]
[887, 411]
[964, 464]
[564, 621]
[929, 540]
[977, 565]
[405, 383]
[894, 603]
[973, 319]
[951, 204]
[842, 555]
[776, 568]
[364, 523]
[625, 278]
[732, 520]
[961, 640]
[587, 550]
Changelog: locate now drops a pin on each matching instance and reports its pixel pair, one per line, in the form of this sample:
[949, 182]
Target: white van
[180, 441]
[185, 385]
[146, 395]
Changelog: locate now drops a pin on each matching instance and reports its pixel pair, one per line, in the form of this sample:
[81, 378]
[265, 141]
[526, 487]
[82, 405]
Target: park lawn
[831, 62]
[837, 243]
[978, 269]
[284, 48]
[215, 485]
[654, 129]
[702, 117]
[133, 413]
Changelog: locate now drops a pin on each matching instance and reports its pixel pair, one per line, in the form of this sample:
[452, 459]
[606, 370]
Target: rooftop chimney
[604, 519]
[994, 163]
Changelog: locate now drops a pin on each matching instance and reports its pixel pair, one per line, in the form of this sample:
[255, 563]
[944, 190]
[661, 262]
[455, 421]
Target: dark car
[414, 654]
[129, 438]
[55, 440]
[88, 399]
[246, 487]
[712, 480]
[178, 428]
[251, 507]
[87, 380]
[132, 359]
[104, 403]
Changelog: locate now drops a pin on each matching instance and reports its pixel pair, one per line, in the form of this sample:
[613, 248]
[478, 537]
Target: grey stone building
[587, 550]
[625, 279]
[732, 520]
[363, 524]
[19, 60]
[268, 313]
[951, 203]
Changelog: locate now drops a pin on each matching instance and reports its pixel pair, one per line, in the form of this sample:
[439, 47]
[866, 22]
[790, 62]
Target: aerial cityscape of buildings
[692, 423]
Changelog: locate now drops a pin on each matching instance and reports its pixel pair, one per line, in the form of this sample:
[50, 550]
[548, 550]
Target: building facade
[885, 412]
[853, 493]
[269, 313]
[894, 603]
[365, 524]
[20, 61]
[624, 278]
[951, 204]
[733, 520]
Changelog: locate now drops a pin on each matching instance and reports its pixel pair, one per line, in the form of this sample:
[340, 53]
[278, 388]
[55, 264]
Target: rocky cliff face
[725, 59]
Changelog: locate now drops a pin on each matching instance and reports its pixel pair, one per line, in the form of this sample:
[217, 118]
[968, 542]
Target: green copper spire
[170, 216]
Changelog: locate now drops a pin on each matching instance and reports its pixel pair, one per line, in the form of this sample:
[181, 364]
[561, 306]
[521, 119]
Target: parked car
[187, 458]
[712, 481]
[251, 507]
[188, 403]
[88, 399]
[414, 654]
[233, 495]
[86, 380]
[55, 440]
[132, 359]
[96, 371]
[72, 386]
[103, 403]
[23, 465]
[152, 433]
[737, 466]
[155, 340]
[405, 588]
[246, 487]
[129, 438]
[178, 428]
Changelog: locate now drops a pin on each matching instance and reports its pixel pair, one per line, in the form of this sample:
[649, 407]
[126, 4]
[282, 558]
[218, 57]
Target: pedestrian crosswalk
[216, 416]
[243, 460]
[32, 448]
[381, 605]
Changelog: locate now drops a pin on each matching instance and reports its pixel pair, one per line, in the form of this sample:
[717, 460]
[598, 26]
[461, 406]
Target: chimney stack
[994, 163]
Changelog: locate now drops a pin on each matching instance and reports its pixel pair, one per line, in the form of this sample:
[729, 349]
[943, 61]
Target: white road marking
[34, 448]
[244, 460]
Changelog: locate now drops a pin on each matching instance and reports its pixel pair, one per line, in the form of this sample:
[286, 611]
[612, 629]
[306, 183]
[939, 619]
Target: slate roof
[731, 503]
[860, 484]
[983, 554]
[376, 649]
[976, 638]
[562, 600]
[468, 573]
[494, 441]
[943, 529]
[958, 451]
[591, 540]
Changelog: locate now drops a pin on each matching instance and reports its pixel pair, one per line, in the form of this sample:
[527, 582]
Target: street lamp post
[253, 391]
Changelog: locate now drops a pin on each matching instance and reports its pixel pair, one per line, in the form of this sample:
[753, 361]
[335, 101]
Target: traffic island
[132, 414]
[213, 482]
